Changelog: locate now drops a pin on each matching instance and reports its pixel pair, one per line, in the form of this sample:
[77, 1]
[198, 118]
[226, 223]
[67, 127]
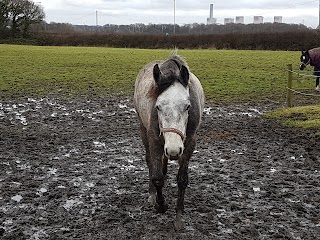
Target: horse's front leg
[157, 175]
[183, 180]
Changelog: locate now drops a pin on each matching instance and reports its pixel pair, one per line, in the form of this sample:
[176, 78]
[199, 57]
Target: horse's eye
[158, 108]
[188, 107]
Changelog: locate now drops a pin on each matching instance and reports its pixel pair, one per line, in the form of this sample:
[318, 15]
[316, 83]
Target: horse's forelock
[170, 70]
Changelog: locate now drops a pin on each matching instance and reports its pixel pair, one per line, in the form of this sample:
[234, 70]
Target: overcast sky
[187, 11]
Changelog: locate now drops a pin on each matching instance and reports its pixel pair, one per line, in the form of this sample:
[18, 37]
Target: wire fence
[302, 92]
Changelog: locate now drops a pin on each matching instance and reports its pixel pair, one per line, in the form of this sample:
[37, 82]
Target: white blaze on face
[173, 105]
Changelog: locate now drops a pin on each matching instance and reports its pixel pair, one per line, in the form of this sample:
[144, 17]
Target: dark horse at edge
[312, 57]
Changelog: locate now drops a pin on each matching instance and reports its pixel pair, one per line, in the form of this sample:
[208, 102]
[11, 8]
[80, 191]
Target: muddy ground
[74, 169]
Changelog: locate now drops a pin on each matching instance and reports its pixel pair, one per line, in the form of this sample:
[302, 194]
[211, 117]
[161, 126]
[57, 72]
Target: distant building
[257, 19]
[277, 19]
[211, 19]
[228, 21]
[240, 20]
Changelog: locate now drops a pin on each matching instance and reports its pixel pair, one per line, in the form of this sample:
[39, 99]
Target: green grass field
[226, 75]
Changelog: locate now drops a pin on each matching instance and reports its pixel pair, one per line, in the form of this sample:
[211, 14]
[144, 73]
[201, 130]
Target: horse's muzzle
[173, 147]
[302, 66]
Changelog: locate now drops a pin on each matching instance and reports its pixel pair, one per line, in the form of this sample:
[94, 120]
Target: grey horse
[169, 102]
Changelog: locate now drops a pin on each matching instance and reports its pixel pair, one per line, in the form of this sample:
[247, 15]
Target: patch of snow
[17, 198]
[90, 184]
[52, 171]
[24, 167]
[256, 189]
[8, 222]
[273, 170]
[293, 201]
[32, 100]
[54, 114]
[207, 110]
[121, 106]
[43, 190]
[76, 181]
[72, 203]
[256, 111]
[98, 144]
[132, 110]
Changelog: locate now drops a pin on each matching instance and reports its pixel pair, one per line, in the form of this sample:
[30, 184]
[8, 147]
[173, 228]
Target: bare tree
[15, 8]
[18, 15]
[32, 13]
[4, 18]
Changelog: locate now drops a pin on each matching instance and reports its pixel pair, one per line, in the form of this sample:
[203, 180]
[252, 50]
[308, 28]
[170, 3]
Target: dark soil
[74, 169]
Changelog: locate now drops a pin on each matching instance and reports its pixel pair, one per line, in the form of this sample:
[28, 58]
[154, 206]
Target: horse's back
[196, 88]
[315, 58]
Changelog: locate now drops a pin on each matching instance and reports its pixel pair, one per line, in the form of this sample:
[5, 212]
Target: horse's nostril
[180, 151]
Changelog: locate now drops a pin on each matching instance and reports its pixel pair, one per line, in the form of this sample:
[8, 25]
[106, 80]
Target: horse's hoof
[161, 208]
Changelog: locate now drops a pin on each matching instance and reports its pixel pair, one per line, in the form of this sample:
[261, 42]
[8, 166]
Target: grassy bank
[304, 117]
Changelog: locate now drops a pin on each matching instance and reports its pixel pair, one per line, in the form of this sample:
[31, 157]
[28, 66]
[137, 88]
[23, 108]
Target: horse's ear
[184, 76]
[156, 73]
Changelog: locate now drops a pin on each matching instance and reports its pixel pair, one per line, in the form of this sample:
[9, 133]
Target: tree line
[255, 41]
[17, 16]
[166, 29]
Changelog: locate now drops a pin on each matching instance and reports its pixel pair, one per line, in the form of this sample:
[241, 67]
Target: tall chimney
[211, 11]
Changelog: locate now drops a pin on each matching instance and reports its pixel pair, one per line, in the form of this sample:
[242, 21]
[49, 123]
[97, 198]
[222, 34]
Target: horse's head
[305, 59]
[172, 105]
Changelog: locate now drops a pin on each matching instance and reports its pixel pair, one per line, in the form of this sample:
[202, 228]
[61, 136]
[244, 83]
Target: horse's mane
[170, 69]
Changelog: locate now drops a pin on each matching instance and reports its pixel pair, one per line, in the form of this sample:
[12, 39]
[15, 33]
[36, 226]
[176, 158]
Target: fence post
[289, 92]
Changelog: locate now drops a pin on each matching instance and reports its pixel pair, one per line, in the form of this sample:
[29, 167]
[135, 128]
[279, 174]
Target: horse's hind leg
[317, 81]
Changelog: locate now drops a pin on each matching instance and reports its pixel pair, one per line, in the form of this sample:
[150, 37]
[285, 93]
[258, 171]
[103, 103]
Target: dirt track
[75, 170]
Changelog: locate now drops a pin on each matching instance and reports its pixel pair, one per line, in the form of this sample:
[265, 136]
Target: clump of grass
[303, 117]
